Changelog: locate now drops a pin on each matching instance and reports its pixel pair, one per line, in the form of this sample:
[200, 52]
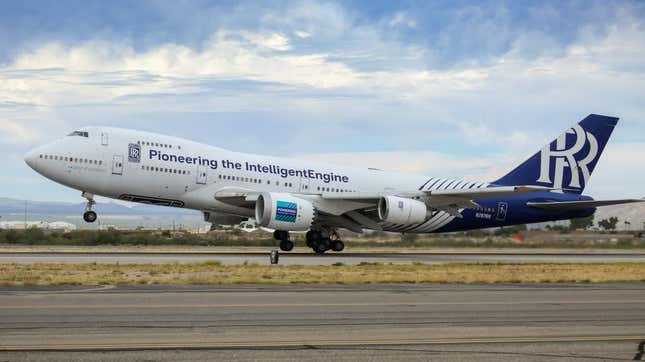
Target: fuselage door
[304, 185]
[104, 138]
[117, 165]
[202, 175]
[502, 210]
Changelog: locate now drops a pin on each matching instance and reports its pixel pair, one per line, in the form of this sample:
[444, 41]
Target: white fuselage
[146, 167]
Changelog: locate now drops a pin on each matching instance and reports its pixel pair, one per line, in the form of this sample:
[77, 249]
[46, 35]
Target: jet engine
[399, 210]
[284, 212]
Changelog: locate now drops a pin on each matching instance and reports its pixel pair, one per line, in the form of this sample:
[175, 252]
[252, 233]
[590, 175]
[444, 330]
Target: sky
[441, 88]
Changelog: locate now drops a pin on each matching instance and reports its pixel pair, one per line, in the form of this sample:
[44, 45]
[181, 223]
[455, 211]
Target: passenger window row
[251, 180]
[71, 159]
[156, 144]
[331, 189]
[241, 179]
[165, 170]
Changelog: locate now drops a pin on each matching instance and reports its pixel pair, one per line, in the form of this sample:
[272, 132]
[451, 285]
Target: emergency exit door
[202, 175]
[117, 165]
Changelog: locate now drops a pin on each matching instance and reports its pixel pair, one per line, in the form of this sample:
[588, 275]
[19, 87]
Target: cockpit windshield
[79, 133]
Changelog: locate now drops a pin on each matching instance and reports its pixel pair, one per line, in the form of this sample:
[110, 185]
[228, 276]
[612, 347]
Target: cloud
[419, 162]
[402, 19]
[15, 133]
[302, 34]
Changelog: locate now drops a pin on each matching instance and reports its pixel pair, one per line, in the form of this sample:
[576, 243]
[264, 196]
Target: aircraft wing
[467, 194]
[449, 201]
[579, 205]
[355, 210]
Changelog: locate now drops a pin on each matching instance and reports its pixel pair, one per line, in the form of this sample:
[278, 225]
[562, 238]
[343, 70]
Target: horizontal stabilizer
[579, 205]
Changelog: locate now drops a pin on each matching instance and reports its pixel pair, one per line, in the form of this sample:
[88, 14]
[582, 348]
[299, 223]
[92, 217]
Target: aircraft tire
[324, 244]
[318, 250]
[337, 245]
[89, 216]
[281, 235]
[286, 245]
[312, 237]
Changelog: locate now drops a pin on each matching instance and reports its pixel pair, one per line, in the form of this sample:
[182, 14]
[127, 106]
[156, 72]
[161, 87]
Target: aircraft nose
[31, 158]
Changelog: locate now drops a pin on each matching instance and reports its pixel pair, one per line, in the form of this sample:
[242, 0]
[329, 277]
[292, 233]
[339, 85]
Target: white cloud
[15, 133]
[302, 34]
[417, 162]
[620, 172]
[273, 41]
[99, 71]
[402, 19]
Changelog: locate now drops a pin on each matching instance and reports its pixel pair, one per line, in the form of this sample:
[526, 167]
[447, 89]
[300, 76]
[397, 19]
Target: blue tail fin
[568, 161]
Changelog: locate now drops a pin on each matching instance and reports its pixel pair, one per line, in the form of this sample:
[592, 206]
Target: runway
[385, 322]
[308, 258]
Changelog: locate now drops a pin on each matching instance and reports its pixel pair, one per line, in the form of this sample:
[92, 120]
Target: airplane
[288, 195]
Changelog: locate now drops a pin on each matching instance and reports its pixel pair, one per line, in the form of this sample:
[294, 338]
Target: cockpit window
[80, 134]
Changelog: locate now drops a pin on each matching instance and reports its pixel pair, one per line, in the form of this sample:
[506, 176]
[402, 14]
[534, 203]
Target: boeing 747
[289, 195]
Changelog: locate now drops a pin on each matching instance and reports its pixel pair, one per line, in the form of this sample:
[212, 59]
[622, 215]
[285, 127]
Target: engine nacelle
[399, 210]
[284, 212]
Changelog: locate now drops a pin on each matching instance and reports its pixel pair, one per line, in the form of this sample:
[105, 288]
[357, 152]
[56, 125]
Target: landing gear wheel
[337, 245]
[286, 245]
[89, 216]
[281, 235]
[312, 237]
[322, 245]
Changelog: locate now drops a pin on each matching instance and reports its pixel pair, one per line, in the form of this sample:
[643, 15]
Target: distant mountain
[13, 206]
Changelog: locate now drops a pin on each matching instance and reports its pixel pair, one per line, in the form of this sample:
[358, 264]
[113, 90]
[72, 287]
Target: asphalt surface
[309, 258]
[380, 323]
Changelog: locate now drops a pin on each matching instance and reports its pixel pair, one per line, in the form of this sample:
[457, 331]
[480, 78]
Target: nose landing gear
[89, 215]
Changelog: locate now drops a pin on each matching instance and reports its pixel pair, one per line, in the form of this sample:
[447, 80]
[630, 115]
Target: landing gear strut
[283, 236]
[89, 215]
[321, 241]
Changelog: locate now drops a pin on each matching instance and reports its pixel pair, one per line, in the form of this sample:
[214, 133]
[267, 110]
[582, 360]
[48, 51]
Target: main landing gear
[283, 236]
[89, 215]
[320, 242]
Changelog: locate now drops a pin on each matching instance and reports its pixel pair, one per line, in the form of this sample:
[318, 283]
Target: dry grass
[215, 273]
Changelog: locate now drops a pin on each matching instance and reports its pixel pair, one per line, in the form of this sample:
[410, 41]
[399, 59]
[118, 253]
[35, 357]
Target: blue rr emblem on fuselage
[286, 211]
[134, 153]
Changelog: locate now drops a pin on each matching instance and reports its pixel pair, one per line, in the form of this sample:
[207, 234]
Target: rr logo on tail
[569, 158]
